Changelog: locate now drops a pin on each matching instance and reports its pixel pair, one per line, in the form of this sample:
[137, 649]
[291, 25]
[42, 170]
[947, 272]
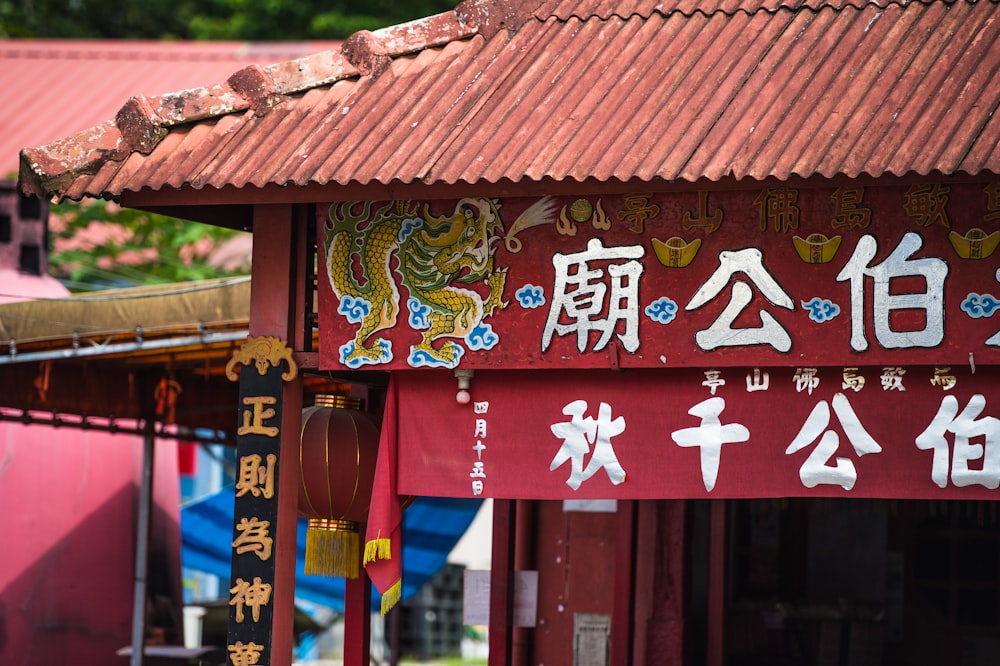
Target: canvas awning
[431, 527]
[187, 314]
[108, 354]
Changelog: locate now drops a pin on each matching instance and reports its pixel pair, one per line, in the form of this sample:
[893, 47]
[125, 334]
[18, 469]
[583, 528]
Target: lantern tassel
[331, 550]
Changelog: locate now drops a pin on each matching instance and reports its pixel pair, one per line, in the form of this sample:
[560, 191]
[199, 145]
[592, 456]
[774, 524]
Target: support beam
[622, 618]
[143, 522]
[717, 583]
[270, 422]
[502, 582]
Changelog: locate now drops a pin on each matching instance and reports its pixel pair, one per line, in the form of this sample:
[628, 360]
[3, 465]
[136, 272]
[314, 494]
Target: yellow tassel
[391, 596]
[378, 549]
[331, 550]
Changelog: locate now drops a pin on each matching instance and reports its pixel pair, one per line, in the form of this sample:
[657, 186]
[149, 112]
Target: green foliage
[98, 245]
[255, 20]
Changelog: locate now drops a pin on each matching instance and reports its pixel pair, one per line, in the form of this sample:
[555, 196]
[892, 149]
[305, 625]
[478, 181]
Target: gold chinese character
[254, 537]
[778, 207]
[255, 478]
[926, 204]
[992, 201]
[943, 378]
[850, 213]
[253, 420]
[637, 210]
[701, 217]
[245, 655]
[253, 595]
[852, 380]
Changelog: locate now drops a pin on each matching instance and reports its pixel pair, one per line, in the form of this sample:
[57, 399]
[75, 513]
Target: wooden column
[270, 419]
[622, 618]
[502, 582]
[717, 583]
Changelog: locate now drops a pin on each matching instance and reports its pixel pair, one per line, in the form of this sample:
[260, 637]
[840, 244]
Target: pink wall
[67, 520]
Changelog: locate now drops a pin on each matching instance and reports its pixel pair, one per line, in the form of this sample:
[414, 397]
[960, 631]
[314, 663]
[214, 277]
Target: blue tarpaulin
[431, 528]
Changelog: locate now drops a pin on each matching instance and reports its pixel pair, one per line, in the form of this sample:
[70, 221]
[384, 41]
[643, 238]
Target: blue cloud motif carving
[530, 297]
[421, 359]
[381, 347]
[355, 309]
[821, 310]
[663, 310]
[409, 225]
[418, 314]
[482, 338]
[980, 305]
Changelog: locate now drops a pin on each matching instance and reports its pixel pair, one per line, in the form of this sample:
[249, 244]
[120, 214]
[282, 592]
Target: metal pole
[142, 548]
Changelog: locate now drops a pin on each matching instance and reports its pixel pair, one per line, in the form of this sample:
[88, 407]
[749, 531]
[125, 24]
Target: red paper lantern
[337, 453]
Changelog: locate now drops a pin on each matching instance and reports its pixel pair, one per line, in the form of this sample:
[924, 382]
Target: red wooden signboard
[900, 275]
[889, 432]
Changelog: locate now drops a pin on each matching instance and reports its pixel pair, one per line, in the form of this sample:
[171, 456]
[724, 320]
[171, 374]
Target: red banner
[889, 432]
[900, 275]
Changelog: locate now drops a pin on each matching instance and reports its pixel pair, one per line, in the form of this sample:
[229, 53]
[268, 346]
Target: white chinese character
[750, 262]
[579, 433]
[583, 295]
[710, 436]
[477, 487]
[964, 427]
[892, 379]
[758, 381]
[480, 428]
[713, 380]
[480, 407]
[896, 265]
[805, 380]
[994, 341]
[816, 469]
[479, 448]
[478, 471]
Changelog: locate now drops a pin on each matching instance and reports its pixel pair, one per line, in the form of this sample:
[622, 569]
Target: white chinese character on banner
[994, 341]
[805, 380]
[713, 380]
[477, 487]
[897, 265]
[892, 379]
[964, 426]
[579, 433]
[758, 381]
[816, 469]
[481, 407]
[480, 428]
[478, 470]
[584, 292]
[721, 333]
[710, 436]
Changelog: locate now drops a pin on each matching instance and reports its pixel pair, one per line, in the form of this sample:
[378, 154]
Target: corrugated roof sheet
[507, 91]
[53, 87]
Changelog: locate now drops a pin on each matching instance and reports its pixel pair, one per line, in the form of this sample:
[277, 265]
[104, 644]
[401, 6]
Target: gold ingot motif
[581, 210]
[675, 252]
[975, 244]
[816, 248]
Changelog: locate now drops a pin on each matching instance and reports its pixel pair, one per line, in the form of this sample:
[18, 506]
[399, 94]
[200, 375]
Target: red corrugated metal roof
[53, 87]
[566, 91]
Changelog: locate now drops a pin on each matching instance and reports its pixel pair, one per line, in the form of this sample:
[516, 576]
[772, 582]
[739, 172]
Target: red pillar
[277, 289]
